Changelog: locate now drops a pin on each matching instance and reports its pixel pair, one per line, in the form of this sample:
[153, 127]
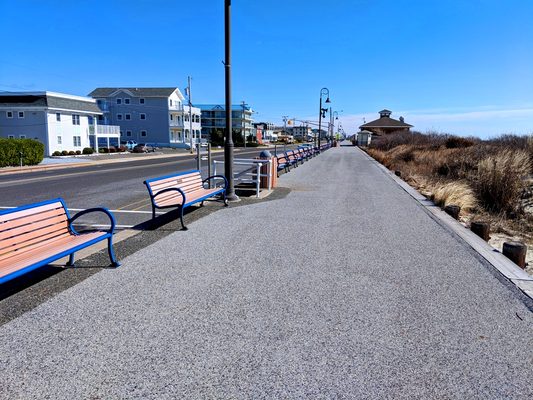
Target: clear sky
[456, 66]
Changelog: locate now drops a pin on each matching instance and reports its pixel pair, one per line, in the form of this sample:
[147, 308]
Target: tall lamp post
[228, 146]
[334, 116]
[322, 112]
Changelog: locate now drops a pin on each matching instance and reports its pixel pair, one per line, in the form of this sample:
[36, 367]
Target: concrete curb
[509, 270]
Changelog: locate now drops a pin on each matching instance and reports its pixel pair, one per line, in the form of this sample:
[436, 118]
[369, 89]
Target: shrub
[122, 148]
[112, 150]
[102, 150]
[458, 193]
[56, 153]
[88, 150]
[64, 153]
[10, 149]
[71, 153]
[500, 180]
[78, 152]
[455, 142]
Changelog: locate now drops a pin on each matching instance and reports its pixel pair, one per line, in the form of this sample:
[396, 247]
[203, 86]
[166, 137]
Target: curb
[505, 267]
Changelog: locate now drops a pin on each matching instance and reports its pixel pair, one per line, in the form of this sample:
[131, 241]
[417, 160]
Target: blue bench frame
[70, 252]
[184, 203]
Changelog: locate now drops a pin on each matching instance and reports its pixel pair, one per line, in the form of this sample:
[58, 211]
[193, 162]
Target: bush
[112, 150]
[102, 150]
[88, 150]
[71, 153]
[500, 180]
[64, 153]
[122, 149]
[78, 152]
[456, 142]
[56, 153]
[10, 149]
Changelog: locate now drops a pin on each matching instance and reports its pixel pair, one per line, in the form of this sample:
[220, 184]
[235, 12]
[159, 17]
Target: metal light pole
[190, 113]
[322, 111]
[336, 115]
[228, 146]
[243, 125]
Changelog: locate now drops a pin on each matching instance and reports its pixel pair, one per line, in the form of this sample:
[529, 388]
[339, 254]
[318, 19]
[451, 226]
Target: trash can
[266, 155]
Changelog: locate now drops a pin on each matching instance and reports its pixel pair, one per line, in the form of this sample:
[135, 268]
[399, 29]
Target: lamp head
[327, 100]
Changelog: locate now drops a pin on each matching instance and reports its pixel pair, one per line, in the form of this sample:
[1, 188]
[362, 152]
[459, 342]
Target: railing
[252, 174]
[104, 130]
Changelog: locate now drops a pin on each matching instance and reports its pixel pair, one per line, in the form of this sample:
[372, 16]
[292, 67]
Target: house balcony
[104, 130]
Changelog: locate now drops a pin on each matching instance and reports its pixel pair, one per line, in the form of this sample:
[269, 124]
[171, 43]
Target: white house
[60, 121]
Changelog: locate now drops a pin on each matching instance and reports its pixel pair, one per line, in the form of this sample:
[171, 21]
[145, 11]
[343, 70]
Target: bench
[292, 157]
[183, 190]
[283, 163]
[35, 235]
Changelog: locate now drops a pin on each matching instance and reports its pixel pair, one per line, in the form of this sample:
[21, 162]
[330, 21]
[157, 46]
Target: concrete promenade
[345, 288]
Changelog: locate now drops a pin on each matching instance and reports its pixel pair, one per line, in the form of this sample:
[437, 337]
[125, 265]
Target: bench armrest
[217, 177]
[172, 189]
[90, 210]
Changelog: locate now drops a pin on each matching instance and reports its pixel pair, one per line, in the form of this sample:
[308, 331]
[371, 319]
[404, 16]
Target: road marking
[105, 226]
[131, 204]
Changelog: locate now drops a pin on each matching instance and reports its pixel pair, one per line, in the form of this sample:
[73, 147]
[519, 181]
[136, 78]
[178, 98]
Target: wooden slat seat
[283, 163]
[34, 235]
[182, 190]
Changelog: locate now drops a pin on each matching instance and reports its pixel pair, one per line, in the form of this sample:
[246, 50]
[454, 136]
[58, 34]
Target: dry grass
[458, 193]
[501, 179]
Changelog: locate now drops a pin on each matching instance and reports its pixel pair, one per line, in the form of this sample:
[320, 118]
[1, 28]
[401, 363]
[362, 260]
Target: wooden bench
[183, 190]
[283, 163]
[292, 157]
[37, 234]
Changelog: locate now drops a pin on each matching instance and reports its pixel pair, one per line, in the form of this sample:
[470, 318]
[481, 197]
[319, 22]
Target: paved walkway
[346, 288]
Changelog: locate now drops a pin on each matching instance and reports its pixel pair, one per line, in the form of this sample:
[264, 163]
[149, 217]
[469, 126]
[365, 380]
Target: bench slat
[191, 198]
[28, 219]
[181, 184]
[14, 243]
[34, 210]
[34, 245]
[27, 258]
[175, 180]
[35, 227]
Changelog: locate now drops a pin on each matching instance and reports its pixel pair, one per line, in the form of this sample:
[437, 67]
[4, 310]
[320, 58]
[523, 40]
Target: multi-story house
[60, 121]
[302, 132]
[267, 131]
[150, 115]
[214, 122]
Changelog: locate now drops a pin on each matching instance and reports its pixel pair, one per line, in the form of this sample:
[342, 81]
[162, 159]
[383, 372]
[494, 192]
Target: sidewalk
[346, 288]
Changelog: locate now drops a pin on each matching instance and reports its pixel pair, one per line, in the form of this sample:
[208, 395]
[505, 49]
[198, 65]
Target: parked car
[130, 144]
[143, 148]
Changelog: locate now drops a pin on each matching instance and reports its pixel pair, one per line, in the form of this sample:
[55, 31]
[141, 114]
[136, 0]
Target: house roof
[385, 122]
[50, 100]
[222, 107]
[136, 92]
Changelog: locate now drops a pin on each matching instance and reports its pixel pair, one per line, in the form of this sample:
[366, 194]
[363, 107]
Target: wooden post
[516, 252]
[452, 210]
[482, 229]
[398, 173]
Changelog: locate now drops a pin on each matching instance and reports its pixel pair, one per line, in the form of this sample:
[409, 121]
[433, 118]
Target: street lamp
[228, 145]
[322, 111]
[334, 116]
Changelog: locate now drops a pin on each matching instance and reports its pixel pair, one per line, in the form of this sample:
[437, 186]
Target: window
[119, 117]
[11, 137]
[127, 116]
[170, 102]
[22, 136]
[143, 116]
[77, 141]
[121, 133]
[143, 134]
[119, 101]
[21, 114]
[58, 117]
[128, 133]
[9, 114]
[141, 101]
[171, 117]
[100, 118]
[75, 119]
[126, 101]
[59, 140]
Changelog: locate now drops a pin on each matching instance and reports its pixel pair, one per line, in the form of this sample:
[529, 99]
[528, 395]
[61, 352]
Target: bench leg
[111, 253]
[153, 212]
[225, 199]
[70, 262]
[202, 204]
[183, 227]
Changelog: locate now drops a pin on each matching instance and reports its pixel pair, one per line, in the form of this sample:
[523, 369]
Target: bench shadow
[27, 280]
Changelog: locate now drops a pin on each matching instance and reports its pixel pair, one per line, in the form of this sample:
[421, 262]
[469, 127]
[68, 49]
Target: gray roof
[47, 100]
[385, 122]
[137, 92]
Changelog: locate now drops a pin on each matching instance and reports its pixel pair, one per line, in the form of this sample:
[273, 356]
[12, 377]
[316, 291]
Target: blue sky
[462, 67]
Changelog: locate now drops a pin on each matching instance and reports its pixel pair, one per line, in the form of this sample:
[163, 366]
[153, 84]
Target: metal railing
[252, 174]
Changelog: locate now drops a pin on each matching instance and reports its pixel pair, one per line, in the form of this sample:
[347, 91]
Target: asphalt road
[344, 289]
[117, 186]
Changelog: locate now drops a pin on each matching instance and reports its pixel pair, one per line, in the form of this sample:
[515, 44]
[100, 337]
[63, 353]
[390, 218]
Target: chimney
[401, 119]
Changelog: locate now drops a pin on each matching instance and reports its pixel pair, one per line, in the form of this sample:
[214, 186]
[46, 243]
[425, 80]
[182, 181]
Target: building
[150, 115]
[214, 122]
[385, 124]
[304, 133]
[267, 131]
[363, 138]
[60, 121]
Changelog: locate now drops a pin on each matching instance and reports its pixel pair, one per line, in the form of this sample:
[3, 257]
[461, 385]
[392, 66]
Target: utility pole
[228, 146]
[243, 125]
[190, 113]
